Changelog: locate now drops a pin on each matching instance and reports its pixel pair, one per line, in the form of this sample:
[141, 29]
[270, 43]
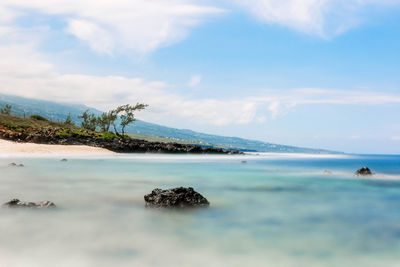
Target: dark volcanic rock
[180, 197]
[364, 171]
[16, 203]
[13, 164]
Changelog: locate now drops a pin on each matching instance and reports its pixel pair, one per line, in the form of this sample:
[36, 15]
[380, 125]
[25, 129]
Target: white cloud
[120, 25]
[195, 80]
[281, 102]
[142, 26]
[7, 15]
[98, 39]
[395, 138]
[325, 18]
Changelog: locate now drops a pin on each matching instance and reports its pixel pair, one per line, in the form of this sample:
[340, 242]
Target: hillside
[147, 131]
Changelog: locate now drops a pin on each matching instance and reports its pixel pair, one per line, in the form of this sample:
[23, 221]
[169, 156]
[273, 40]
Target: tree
[105, 120]
[6, 110]
[127, 114]
[38, 117]
[68, 120]
[89, 120]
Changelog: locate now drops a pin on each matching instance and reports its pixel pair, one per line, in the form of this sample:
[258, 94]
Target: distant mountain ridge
[59, 112]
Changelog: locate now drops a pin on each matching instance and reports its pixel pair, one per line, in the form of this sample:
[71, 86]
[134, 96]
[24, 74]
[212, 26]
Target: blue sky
[315, 73]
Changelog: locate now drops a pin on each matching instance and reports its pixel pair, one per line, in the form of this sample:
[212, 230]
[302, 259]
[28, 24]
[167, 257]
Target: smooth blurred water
[273, 210]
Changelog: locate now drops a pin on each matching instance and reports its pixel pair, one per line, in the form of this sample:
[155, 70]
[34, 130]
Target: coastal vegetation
[38, 117]
[125, 113]
[6, 109]
[41, 131]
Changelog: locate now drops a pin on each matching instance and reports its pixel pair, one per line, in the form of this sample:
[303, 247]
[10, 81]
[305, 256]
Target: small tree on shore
[89, 120]
[6, 110]
[68, 120]
[127, 115]
[105, 120]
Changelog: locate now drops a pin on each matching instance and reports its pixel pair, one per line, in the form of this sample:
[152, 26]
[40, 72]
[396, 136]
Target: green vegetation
[89, 121]
[108, 136]
[6, 110]
[125, 113]
[20, 124]
[38, 117]
[105, 120]
[63, 134]
[68, 120]
[35, 126]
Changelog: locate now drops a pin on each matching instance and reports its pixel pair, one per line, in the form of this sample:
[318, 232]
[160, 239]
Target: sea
[265, 210]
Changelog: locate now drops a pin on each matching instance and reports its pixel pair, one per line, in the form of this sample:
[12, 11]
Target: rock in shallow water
[180, 197]
[364, 171]
[13, 164]
[16, 203]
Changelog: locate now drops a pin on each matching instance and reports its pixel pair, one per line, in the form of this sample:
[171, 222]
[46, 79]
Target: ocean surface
[271, 210]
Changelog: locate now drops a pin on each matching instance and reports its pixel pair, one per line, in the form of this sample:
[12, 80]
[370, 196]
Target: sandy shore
[8, 147]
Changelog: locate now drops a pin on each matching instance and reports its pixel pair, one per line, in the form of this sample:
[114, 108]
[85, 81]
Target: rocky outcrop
[16, 203]
[116, 144]
[364, 171]
[180, 197]
[13, 164]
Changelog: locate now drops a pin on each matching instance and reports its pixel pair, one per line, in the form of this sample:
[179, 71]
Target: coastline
[23, 130]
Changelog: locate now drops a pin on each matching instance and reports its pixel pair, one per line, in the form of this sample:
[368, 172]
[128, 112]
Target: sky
[311, 73]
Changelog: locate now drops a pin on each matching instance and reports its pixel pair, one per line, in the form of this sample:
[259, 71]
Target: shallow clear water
[274, 210]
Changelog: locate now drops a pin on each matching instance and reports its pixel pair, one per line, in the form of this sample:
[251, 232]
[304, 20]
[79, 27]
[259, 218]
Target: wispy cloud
[325, 18]
[195, 80]
[119, 25]
[142, 26]
[282, 101]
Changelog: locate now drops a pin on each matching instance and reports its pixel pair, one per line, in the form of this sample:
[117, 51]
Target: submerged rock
[180, 197]
[364, 171]
[64, 160]
[13, 164]
[16, 203]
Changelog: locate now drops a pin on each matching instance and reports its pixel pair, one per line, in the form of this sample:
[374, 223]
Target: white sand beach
[8, 147]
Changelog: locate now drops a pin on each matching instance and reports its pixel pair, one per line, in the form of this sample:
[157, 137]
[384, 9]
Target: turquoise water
[273, 210]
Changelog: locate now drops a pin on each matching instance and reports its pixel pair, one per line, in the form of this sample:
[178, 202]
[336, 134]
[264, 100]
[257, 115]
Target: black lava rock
[16, 203]
[364, 171]
[180, 197]
[13, 164]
